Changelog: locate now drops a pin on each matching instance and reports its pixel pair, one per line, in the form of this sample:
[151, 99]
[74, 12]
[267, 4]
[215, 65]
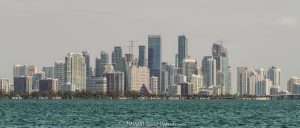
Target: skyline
[270, 32]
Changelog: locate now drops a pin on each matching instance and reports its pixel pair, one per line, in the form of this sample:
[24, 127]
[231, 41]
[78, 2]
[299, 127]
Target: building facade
[154, 56]
[96, 84]
[75, 72]
[23, 85]
[182, 49]
[4, 85]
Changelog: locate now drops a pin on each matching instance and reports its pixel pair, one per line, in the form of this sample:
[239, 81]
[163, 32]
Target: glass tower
[182, 49]
[154, 56]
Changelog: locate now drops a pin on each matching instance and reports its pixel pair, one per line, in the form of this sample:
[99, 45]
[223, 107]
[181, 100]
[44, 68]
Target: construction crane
[130, 46]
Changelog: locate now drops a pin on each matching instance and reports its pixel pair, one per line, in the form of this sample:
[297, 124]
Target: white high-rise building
[197, 83]
[140, 79]
[242, 80]
[209, 71]
[189, 68]
[154, 85]
[178, 78]
[292, 85]
[49, 72]
[75, 72]
[274, 76]
[19, 70]
[31, 69]
[4, 85]
[59, 74]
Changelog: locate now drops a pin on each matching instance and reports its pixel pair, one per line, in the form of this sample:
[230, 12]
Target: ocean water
[149, 113]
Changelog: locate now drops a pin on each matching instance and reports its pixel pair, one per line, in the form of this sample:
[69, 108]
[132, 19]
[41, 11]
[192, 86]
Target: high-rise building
[19, 70]
[48, 86]
[220, 54]
[251, 82]
[140, 79]
[59, 74]
[178, 78]
[262, 86]
[31, 69]
[101, 62]
[189, 68]
[23, 85]
[197, 83]
[75, 72]
[115, 81]
[182, 49]
[209, 71]
[154, 85]
[4, 86]
[242, 80]
[142, 56]
[164, 82]
[35, 80]
[117, 59]
[96, 84]
[154, 56]
[274, 76]
[88, 68]
[49, 72]
[291, 83]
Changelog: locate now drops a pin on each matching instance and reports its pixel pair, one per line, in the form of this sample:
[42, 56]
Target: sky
[257, 33]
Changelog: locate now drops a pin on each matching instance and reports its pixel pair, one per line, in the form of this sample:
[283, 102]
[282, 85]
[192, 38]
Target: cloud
[289, 22]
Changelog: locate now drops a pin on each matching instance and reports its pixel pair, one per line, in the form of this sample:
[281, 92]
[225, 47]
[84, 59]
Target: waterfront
[141, 113]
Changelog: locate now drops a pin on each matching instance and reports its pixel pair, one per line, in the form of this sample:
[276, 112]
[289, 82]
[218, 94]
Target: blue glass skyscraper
[154, 56]
[182, 49]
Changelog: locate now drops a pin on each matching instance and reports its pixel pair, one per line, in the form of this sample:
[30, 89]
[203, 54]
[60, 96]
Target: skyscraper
[117, 59]
[115, 81]
[59, 73]
[154, 56]
[35, 80]
[49, 72]
[209, 71]
[154, 85]
[31, 69]
[19, 70]
[197, 83]
[142, 56]
[293, 85]
[75, 72]
[189, 68]
[88, 68]
[274, 76]
[242, 80]
[4, 86]
[140, 79]
[220, 54]
[182, 49]
[101, 62]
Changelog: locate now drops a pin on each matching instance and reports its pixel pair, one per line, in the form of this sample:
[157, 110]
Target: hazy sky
[257, 33]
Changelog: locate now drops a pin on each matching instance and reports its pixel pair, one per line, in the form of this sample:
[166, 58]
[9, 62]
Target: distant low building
[23, 85]
[48, 85]
[96, 84]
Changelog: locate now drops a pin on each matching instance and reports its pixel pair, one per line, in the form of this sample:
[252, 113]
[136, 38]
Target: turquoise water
[149, 113]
